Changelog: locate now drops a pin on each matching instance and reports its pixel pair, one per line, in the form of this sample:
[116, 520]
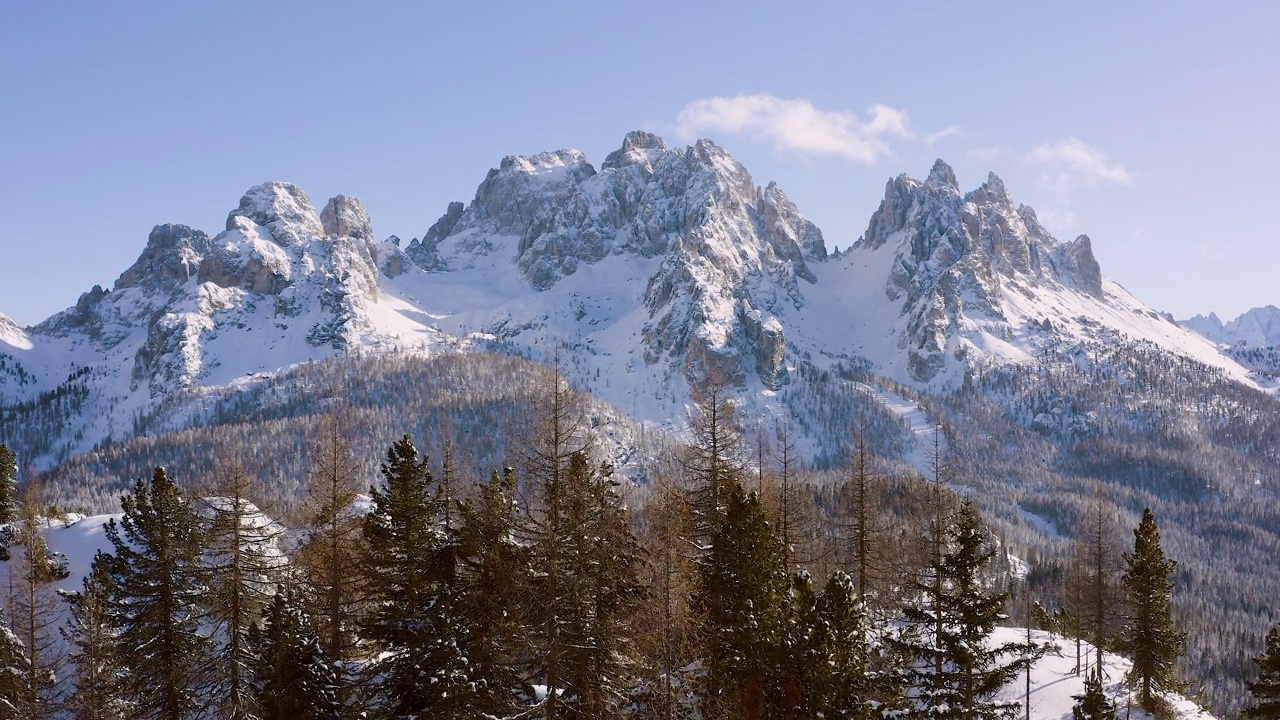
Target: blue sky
[1152, 127]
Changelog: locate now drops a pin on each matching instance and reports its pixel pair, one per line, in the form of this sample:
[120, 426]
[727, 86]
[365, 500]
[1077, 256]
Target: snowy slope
[1054, 682]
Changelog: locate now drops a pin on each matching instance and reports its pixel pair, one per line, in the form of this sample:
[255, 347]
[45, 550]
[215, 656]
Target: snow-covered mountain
[663, 267]
[1259, 327]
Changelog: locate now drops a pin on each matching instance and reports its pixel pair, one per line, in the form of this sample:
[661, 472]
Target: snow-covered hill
[664, 267]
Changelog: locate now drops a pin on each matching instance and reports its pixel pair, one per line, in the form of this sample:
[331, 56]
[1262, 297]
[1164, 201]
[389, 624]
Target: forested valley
[517, 549]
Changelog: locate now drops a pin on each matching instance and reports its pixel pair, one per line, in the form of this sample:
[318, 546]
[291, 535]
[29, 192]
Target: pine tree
[245, 562]
[156, 583]
[742, 597]
[8, 500]
[956, 671]
[14, 672]
[1149, 635]
[1266, 689]
[410, 568]
[90, 636]
[493, 570]
[291, 678]
[843, 685]
[602, 574]
[1094, 703]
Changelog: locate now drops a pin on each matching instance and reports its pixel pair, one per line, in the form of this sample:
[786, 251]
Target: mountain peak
[173, 254]
[283, 209]
[637, 147]
[942, 174]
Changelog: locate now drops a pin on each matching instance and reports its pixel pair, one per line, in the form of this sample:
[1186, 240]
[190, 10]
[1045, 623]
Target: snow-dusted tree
[956, 671]
[14, 672]
[742, 598]
[410, 572]
[156, 584]
[8, 499]
[1149, 636]
[602, 591]
[291, 678]
[493, 577]
[1094, 703]
[244, 562]
[1266, 689]
[90, 637]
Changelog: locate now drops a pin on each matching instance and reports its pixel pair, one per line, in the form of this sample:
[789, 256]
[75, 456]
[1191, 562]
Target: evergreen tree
[244, 561]
[1266, 689]
[410, 568]
[957, 672]
[1094, 703]
[843, 684]
[602, 574]
[156, 582]
[291, 678]
[493, 579]
[14, 672]
[742, 597]
[90, 636]
[1149, 635]
[8, 499]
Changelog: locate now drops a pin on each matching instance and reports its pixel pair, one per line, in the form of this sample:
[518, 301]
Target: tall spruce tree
[602, 580]
[1266, 689]
[957, 672]
[410, 569]
[156, 583]
[742, 597]
[1149, 634]
[291, 678]
[493, 570]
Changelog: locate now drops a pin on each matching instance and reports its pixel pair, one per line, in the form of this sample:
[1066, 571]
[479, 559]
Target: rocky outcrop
[172, 256]
[346, 217]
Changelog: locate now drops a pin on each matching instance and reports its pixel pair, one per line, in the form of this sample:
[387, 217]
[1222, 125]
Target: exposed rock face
[345, 217]
[959, 253]
[725, 244]
[172, 256]
[283, 209]
[243, 258]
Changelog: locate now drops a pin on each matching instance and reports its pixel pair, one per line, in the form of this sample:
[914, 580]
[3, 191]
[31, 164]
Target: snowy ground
[1054, 681]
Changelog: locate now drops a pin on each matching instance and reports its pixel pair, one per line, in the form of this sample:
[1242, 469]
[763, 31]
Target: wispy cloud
[1072, 161]
[798, 126]
[935, 138]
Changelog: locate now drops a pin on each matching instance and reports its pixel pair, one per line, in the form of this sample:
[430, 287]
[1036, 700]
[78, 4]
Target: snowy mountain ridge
[662, 268]
[1258, 327]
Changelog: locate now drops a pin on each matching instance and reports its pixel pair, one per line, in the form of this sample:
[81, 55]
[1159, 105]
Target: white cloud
[935, 138]
[1076, 162]
[796, 125]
